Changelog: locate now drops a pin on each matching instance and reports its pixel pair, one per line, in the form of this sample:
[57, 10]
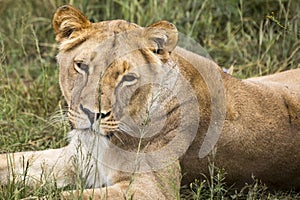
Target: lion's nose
[97, 116]
[91, 115]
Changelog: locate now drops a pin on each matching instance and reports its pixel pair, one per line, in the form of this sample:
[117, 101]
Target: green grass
[254, 37]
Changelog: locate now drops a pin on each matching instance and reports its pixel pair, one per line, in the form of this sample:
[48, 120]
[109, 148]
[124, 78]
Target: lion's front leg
[162, 184]
[145, 190]
[36, 166]
[115, 192]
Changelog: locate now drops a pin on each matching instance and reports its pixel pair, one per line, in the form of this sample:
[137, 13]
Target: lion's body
[260, 135]
[108, 78]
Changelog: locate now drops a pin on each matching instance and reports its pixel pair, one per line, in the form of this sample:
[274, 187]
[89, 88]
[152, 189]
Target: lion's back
[289, 79]
[286, 85]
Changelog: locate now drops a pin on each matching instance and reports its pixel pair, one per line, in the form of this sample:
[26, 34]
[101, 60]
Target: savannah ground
[252, 38]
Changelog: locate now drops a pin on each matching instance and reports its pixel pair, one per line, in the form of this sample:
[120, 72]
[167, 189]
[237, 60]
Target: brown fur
[260, 136]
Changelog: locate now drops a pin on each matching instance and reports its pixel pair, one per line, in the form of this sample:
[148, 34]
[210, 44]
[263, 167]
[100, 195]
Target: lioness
[146, 113]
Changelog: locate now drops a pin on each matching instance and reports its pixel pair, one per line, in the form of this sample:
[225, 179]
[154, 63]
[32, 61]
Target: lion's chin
[91, 131]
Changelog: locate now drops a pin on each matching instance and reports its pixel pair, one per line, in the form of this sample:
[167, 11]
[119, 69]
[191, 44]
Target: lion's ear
[164, 34]
[68, 20]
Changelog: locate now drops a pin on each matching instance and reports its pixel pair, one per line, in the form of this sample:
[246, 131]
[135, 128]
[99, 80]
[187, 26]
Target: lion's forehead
[115, 26]
[99, 32]
[113, 33]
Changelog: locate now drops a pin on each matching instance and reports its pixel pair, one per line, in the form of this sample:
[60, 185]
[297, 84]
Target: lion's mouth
[109, 135]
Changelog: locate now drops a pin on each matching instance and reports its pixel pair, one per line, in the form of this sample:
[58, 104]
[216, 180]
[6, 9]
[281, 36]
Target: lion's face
[112, 73]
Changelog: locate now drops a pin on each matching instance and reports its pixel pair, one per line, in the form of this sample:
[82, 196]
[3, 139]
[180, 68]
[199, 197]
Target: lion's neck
[88, 150]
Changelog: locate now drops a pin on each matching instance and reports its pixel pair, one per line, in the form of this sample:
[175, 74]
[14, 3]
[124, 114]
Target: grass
[252, 37]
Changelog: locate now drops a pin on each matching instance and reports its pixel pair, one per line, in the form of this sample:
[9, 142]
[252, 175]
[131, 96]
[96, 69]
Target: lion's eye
[129, 78]
[80, 66]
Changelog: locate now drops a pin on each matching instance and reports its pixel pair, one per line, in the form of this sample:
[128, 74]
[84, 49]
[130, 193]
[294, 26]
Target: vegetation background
[252, 38]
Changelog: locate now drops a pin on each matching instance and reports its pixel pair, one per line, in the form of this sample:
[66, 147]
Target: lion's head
[121, 80]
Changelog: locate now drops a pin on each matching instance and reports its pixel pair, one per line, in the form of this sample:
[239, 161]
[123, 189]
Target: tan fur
[260, 136]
